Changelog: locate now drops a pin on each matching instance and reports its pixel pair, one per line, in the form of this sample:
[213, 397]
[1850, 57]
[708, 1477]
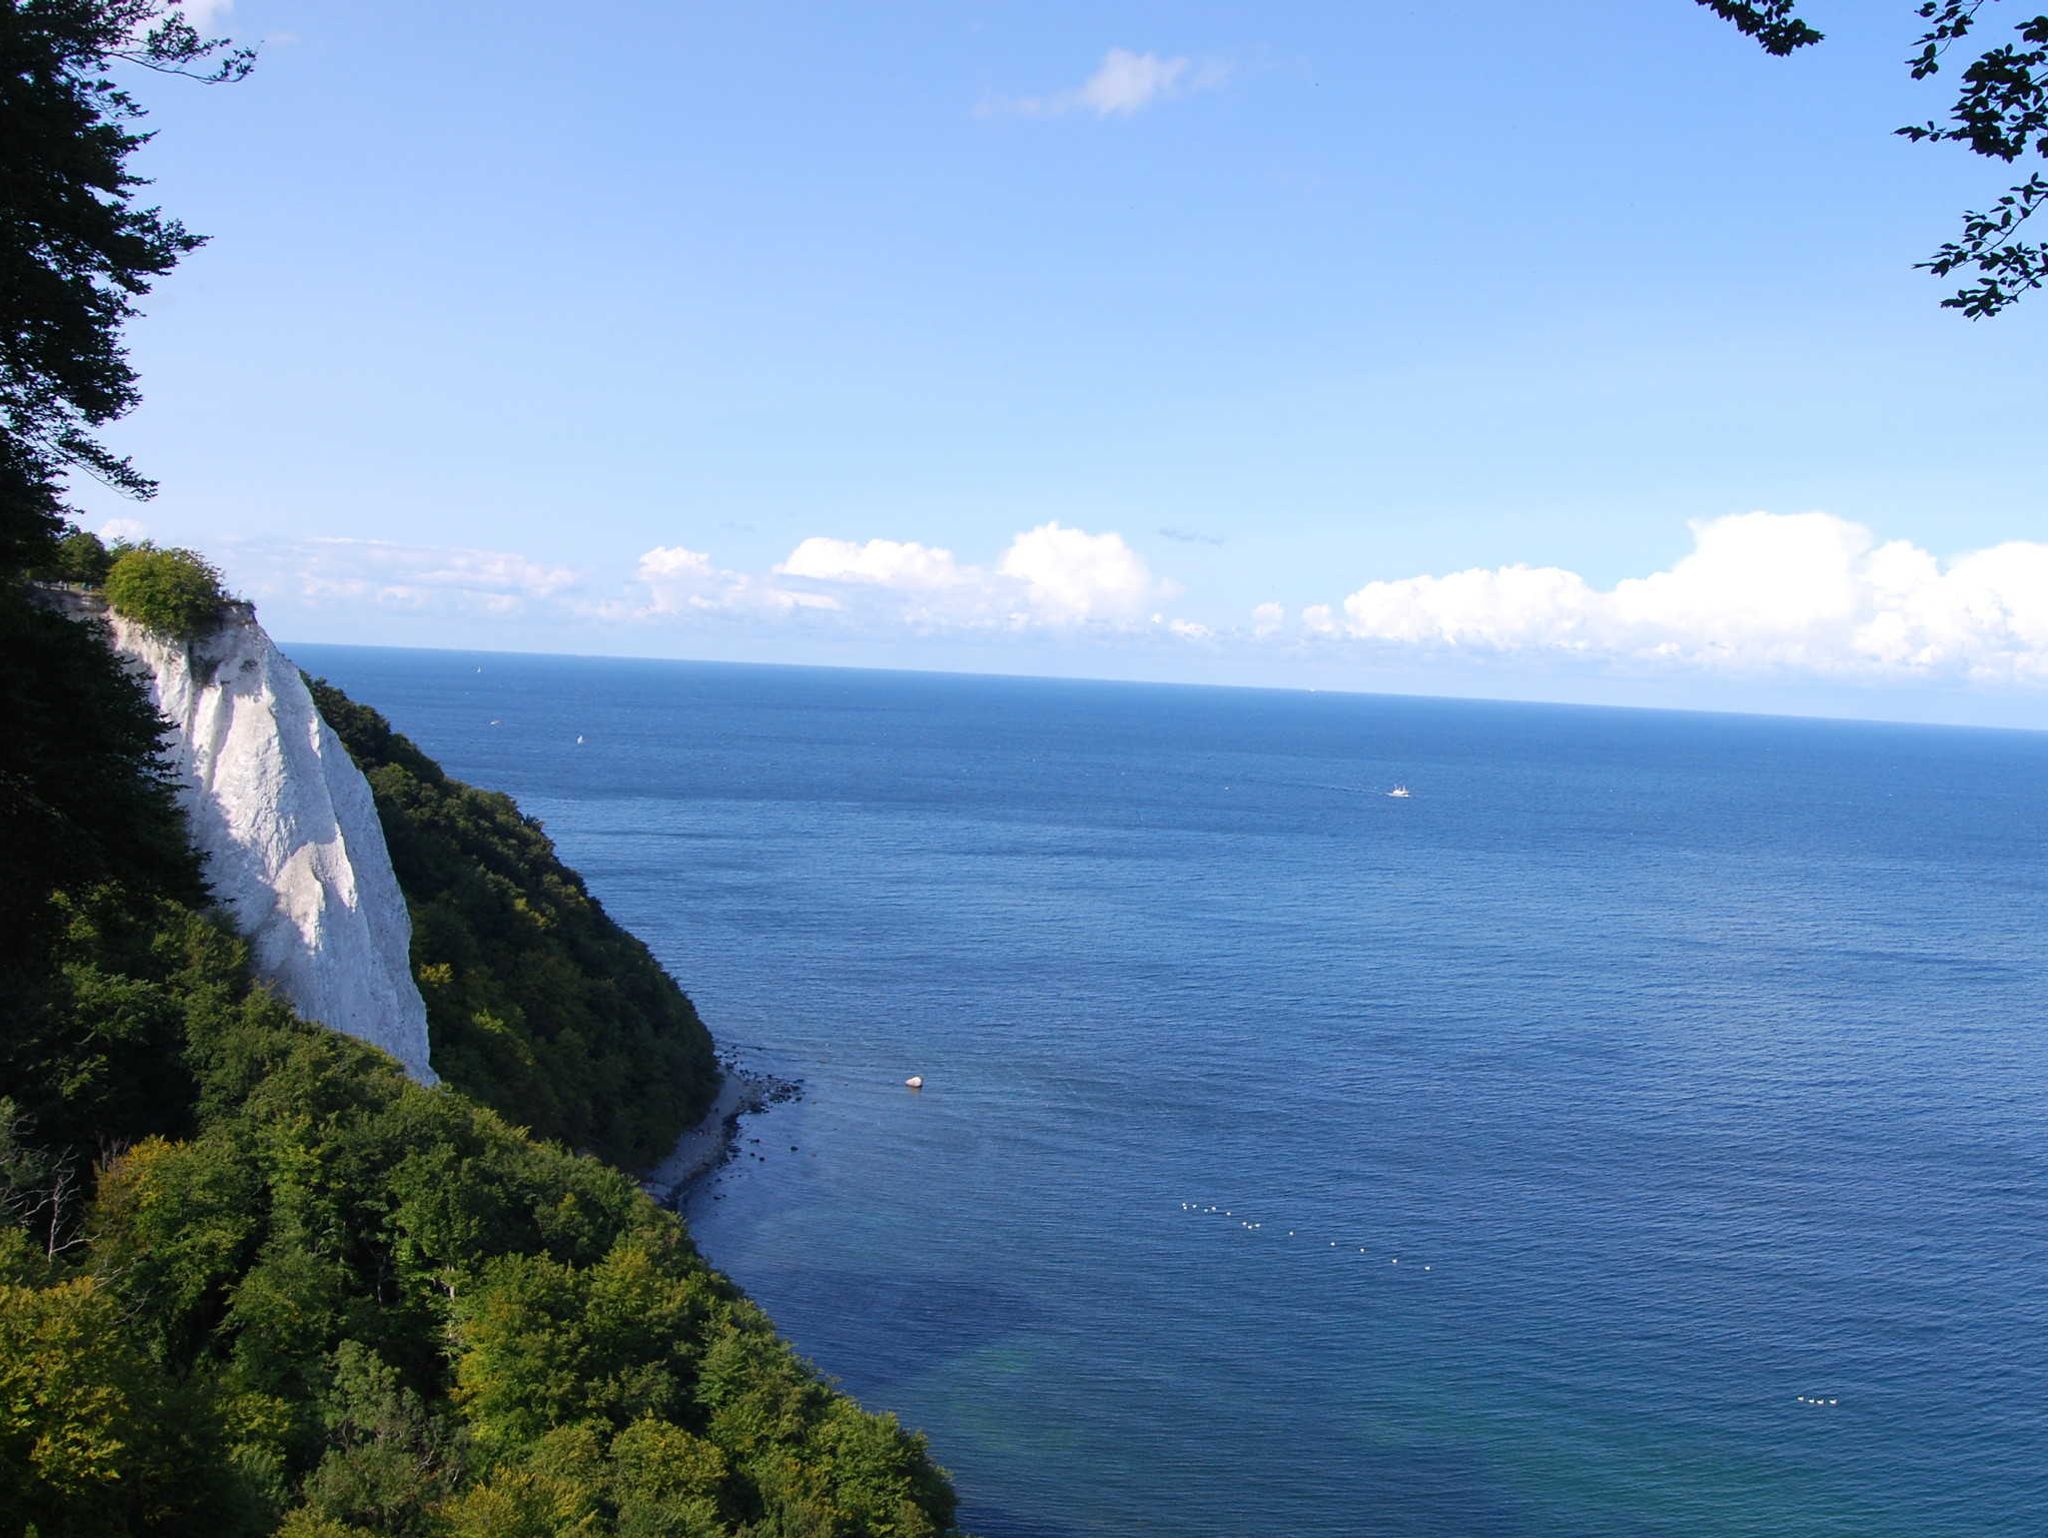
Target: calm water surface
[1639, 1080]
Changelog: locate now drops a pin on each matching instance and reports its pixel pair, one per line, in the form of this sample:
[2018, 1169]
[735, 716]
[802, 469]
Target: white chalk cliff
[288, 830]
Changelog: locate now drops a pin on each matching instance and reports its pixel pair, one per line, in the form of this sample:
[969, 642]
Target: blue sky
[1209, 342]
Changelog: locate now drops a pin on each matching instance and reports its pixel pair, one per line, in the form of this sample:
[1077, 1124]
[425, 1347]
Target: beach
[704, 1145]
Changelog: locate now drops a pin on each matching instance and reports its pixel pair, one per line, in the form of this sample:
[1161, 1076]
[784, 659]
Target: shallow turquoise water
[1640, 1079]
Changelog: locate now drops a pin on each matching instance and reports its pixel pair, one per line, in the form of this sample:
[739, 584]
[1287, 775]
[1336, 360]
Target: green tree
[80, 556]
[84, 794]
[177, 592]
[2001, 112]
[94, 1437]
[390, 1460]
[76, 252]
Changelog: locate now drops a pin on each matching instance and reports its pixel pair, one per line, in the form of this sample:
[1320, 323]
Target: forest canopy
[271, 1285]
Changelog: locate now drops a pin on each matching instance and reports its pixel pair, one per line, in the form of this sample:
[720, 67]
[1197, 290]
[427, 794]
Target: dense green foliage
[82, 796]
[177, 592]
[79, 556]
[339, 1302]
[538, 1004]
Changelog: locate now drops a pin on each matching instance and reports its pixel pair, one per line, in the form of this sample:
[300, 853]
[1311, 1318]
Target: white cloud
[1507, 607]
[1810, 595]
[885, 562]
[400, 576]
[1070, 575]
[1124, 83]
[1807, 593]
[129, 529]
[1048, 576]
[679, 580]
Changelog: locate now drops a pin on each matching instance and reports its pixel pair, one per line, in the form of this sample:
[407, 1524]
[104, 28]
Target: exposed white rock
[288, 830]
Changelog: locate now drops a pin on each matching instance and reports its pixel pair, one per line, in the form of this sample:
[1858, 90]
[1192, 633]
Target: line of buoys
[1250, 1226]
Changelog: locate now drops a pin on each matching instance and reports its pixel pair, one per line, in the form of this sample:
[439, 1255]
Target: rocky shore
[710, 1142]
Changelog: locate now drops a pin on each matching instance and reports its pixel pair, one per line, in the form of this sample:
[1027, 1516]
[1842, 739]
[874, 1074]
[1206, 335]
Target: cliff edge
[288, 829]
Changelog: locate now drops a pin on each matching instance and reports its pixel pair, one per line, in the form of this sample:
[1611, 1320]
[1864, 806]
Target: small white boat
[1399, 792]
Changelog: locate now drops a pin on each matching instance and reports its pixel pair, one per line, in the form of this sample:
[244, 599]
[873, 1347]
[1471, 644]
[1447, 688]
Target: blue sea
[1640, 1129]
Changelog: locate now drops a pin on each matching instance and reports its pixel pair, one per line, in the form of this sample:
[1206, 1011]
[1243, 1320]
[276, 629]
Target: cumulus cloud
[1808, 593]
[1048, 576]
[127, 529]
[886, 562]
[678, 580]
[1124, 83]
[1508, 607]
[1070, 575]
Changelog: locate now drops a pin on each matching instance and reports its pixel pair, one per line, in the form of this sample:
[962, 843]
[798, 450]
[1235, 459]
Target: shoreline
[707, 1144]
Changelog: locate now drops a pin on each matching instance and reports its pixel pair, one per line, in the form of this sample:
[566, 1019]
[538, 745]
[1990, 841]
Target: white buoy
[915, 1081]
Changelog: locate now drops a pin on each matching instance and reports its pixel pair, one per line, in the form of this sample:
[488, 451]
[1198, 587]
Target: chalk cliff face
[288, 829]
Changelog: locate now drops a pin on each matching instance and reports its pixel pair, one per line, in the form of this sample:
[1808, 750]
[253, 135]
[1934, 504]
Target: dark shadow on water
[874, 1331]
[1412, 1491]
[985, 1521]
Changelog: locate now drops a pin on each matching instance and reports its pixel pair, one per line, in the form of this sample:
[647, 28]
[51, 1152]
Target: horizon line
[1149, 683]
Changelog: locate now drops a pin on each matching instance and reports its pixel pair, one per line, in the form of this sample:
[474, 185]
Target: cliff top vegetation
[175, 592]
